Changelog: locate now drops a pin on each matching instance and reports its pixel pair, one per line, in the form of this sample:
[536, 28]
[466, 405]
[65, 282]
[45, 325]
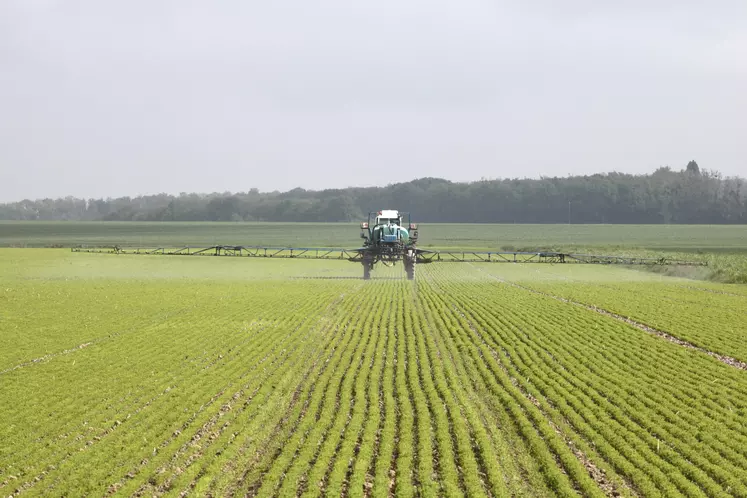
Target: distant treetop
[664, 196]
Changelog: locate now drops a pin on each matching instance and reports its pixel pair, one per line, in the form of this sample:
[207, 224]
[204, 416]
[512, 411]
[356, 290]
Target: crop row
[455, 384]
[429, 432]
[387, 411]
[46, 317]
[150, 387]
[667, 420]
[708, 319]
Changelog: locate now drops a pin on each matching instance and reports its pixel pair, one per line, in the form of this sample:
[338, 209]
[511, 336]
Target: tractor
[386, 240]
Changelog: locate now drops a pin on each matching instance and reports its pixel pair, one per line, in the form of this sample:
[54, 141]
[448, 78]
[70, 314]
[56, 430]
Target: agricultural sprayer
[387, 239]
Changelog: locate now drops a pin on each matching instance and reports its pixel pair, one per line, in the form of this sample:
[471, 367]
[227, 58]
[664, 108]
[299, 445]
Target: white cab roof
[388, 213]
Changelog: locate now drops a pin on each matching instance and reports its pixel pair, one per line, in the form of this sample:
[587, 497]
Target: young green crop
[229, 377]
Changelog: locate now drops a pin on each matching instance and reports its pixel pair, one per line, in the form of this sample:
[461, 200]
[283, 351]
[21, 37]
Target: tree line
[664, 196]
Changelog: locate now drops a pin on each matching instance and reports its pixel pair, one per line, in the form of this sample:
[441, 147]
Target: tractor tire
[367, 266]
[410, 263]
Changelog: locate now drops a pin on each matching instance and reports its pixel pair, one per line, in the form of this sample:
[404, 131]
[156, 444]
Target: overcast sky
[108, 98]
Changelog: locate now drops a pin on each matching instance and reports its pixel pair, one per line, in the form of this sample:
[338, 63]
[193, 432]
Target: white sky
[103, 98]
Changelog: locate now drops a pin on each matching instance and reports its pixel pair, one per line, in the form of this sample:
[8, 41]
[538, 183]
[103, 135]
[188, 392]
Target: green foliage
[715, 314]
[157, 375]
[577, 238]
[665, 196]
[723, 247]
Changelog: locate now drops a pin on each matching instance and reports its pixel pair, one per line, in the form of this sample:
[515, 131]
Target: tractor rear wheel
[410, 262]
[367, 265]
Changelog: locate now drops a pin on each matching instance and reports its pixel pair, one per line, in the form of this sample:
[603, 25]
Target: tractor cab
[385, 228]
[388, 217]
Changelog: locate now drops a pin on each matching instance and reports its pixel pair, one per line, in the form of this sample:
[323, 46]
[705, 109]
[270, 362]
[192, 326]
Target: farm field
[713, 238]
[148, 375]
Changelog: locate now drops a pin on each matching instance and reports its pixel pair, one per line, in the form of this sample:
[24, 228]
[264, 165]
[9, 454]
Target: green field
[150, 375]
[707, 238]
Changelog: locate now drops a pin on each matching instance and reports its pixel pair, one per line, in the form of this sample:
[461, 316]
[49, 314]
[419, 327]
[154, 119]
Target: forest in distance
[688, 196]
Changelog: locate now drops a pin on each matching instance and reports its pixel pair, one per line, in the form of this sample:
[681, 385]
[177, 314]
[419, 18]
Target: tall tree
[692, 168]
[664, 196]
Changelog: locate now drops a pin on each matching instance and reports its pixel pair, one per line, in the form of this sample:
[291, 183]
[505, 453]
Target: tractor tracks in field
[214, 426]
[94, 342]
[725, 359]
[607, 486]
[46, 357]
[88, 444]
[713, 291]
[251, 478]
[287, 417]
[239, 403]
